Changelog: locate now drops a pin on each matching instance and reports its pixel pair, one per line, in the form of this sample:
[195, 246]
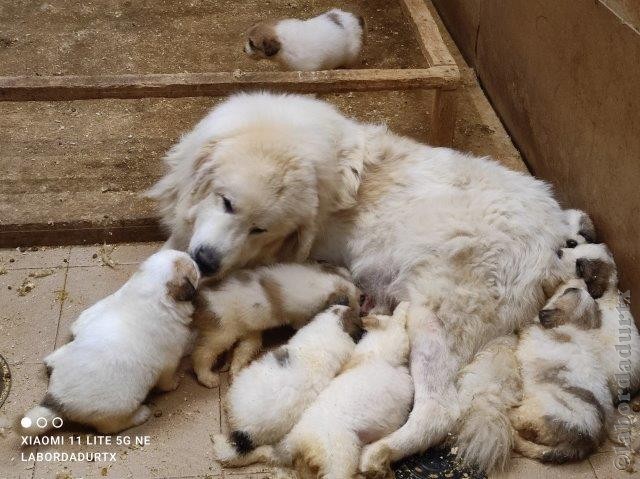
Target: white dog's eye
[228, 207]
[256, 231]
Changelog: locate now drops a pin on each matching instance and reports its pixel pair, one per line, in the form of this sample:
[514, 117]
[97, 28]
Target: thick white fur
[467, 241]
[251, 301]
[122, 346]
[370, 399]
[567, 404]
[267, 397]
[490, 386]
[318, 43]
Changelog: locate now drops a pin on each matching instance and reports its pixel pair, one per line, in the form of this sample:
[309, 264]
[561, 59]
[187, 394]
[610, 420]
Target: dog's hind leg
[208, 347]
[435, 408]
[245, 352]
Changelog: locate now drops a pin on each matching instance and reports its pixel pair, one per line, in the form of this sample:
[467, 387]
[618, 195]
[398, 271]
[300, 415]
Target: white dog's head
[250, 184]
[174, 270]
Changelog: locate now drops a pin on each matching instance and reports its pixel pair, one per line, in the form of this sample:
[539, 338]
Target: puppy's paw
[223, 450]
[208, 379]
[141, 415]
[375, 461]
[172, 384]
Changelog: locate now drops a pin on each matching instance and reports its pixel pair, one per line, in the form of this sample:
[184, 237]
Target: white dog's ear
[297, 246]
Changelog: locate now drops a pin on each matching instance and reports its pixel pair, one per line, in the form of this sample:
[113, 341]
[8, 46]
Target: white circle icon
[41, 422]
[56, 422]
[25, 422]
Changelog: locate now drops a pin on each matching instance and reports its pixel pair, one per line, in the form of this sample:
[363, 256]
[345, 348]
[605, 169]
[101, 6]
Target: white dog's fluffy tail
[488, 388]
[37, 420]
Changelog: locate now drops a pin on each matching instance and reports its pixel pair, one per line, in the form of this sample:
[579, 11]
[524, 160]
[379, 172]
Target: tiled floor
[67, 280]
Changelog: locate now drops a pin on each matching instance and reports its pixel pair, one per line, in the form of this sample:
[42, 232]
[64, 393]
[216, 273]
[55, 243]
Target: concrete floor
[67, 280]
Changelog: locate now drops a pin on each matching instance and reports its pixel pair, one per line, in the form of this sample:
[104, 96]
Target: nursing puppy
[267, 398]
[619, 336]
[250, 301]
[370, 399]
[567, 404]
[581, 228]
[123, 346]
[331, 40]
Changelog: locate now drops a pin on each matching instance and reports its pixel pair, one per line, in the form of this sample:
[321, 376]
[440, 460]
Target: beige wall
[564, 75]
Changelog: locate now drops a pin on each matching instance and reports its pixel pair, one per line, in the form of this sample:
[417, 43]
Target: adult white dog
[267, 177]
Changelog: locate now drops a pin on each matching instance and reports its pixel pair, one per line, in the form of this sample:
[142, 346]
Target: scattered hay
[104, 255]
[41, 273]
[61, 295]
[26, 287]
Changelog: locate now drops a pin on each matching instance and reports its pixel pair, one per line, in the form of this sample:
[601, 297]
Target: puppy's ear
[596, 274]
[271, 46]
[181, 290]
[370, 322]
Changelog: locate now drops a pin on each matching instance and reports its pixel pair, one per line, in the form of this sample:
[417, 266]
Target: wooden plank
[426, 29]
[81, 232]
[443, 119]
[55, 88]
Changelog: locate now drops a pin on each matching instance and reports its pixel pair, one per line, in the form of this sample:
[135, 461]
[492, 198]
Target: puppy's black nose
[207, 259]
[559, 253]
[571, 243]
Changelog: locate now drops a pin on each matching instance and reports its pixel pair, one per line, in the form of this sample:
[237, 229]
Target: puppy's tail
[39, 419]
[551, 454]
[488, 388]
[229, 449]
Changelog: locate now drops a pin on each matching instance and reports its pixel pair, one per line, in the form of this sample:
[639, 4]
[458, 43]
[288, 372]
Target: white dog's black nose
[207, 259]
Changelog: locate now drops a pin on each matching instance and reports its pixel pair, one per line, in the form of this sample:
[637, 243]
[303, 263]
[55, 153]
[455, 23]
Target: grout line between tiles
[64, 289]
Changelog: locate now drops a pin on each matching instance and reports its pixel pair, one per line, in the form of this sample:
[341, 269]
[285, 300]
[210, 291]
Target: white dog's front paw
[374, 461]
[208, 378]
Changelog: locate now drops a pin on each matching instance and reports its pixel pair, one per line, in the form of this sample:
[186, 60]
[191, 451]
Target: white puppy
[250, 301]
[267, 398]
[619, 334]
[580, 227]
[122, 346]
[567, 403]
[370, 399]
[331, 40]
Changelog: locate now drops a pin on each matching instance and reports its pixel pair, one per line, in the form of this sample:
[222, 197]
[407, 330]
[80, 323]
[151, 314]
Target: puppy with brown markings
[567, 404]
[267, 398]
[250, 301]
[331, 40]
[122, 346]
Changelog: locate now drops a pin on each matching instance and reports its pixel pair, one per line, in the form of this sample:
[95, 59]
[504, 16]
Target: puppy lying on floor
[251, 301]
[331, 40]
[567, 405]
[266, 399]
[571, 363]
[122, 346]
[370, 399]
